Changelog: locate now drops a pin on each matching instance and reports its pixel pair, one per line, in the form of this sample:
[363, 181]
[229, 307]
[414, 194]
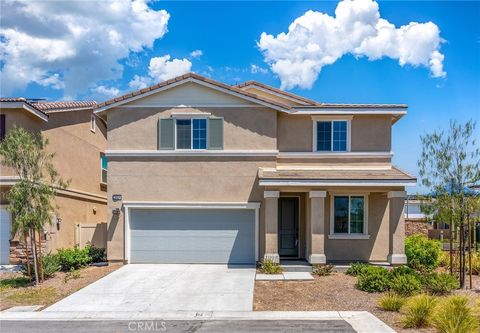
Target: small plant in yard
[322, 270]
[373, 279]
[391, 302]
[419, 311]
[454, 316]
[50, 264]
[270, 267]
[18, 282]
[356, 268]
[97, 254]
[440, 283]
[406, 285]
[72, 275]
[476, 263]
[73, 258]
[422, 253]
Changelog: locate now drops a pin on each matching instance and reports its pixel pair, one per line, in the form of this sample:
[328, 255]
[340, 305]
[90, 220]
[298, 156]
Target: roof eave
[23, 105]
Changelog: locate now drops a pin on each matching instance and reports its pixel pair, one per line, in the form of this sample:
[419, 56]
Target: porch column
[271, 225]
[317, 227]
[396, 203]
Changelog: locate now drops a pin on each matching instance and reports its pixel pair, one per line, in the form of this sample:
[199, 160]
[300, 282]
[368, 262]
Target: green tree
[449, 164]
[31, 199]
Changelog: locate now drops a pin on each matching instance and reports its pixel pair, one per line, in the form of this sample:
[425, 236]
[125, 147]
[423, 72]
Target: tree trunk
[40, 256]
[34, 252]
[469, 230]
[29, 271]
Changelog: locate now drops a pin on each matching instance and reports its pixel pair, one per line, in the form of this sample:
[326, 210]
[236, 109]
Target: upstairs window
[332, 135]
[93, 125]
[191, 133]
[104, 166]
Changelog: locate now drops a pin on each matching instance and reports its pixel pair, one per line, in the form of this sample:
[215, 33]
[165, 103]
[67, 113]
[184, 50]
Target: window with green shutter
[166, 133]
[215, 133]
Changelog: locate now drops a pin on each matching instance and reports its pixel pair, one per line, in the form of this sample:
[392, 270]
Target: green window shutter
[215, 133]
[166, 133]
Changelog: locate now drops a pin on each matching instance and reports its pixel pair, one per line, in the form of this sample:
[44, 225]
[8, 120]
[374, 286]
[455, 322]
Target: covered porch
[334, 220]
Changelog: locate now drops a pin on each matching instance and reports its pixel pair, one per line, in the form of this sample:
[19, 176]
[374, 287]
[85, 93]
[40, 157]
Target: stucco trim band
[330, 182]
[188, 205]
[166, 153]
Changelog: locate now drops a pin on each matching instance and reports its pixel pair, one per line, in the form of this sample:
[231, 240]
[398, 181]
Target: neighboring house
[78, 138]
[203, 172]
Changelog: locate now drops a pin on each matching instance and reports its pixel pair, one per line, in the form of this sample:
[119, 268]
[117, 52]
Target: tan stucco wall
[244, 128]
[368, 133]
[180, 179]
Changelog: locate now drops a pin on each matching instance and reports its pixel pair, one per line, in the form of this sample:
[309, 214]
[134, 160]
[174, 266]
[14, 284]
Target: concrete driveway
[165, 288]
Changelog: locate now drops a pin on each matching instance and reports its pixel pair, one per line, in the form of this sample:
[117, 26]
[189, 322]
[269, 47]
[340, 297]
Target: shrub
[50, 264]
[73, 258]
[391, 302]
[17, 282]
[444, 259]
[403, 270]
[453, 315]
[476, 263]
[440, 283]
[406, 285]
[419, 310]
[268, 266]
[356, 268]
[422, 253]
[373, 279]
[322, 270]
[97, 254]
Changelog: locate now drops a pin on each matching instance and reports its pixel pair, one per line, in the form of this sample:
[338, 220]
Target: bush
[403, 270]
[50, 264]
[453, 315]
[322, 270]
[406, 285]
[440, 283]
[476, 263]
[270, 267]
[73, 258]
[356, 268]
[16, 282]
[444, 259]
[391, 302]
[373, 279]
[419, 311]
[97, 254]
[422, 253]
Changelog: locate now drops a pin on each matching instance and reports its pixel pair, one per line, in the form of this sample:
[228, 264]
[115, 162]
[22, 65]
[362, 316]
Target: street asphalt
[175, 326]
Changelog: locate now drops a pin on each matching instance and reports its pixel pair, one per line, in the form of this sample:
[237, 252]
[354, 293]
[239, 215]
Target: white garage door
[192, 236]
[5, 224]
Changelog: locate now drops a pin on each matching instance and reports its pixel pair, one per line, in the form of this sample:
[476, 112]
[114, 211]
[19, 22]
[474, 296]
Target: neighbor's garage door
[192, 236]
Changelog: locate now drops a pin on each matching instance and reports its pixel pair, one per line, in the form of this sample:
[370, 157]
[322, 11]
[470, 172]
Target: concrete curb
[361, 321]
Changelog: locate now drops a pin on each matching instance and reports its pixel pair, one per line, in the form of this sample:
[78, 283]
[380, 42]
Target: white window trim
[102, 168]
[191, 133]
[93, 123]
[128, 205]
[348, 235]
[332, 119]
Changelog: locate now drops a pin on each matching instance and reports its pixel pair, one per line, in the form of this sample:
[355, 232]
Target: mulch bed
[329, 293]
[55, 287]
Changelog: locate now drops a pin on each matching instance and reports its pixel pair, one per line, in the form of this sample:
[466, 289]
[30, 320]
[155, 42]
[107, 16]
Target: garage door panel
[192, 236]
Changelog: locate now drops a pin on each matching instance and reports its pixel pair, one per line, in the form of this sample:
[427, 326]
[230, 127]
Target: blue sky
[227, 35]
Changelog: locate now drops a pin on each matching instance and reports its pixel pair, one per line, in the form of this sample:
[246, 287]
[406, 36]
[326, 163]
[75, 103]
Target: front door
[288, 226]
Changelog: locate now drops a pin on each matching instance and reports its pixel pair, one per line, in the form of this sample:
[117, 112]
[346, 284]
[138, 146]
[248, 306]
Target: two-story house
[204, 172]
[78, 139]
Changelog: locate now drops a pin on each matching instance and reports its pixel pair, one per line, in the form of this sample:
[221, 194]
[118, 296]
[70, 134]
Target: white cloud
[315, 40]
[196, 54]
[161, 69]
[72, 45]
[107, 91]
[254, 69]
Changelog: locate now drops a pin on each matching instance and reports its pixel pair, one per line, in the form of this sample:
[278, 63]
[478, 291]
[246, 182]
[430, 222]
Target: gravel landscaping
[50, 291]
[335, 292]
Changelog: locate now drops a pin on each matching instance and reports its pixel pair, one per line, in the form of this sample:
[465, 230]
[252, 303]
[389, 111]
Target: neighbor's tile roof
[391, 174]
[64, 105]
[193, 76]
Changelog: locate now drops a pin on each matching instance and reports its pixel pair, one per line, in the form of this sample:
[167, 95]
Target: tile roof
[196, 77]
[64, 105]
[278, 91]
[391, 174]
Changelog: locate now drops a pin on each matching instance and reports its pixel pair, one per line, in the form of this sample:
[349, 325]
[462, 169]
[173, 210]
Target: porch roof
[335, 177]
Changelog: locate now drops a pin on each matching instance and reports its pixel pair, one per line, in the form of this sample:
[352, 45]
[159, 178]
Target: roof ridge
[280, 91]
